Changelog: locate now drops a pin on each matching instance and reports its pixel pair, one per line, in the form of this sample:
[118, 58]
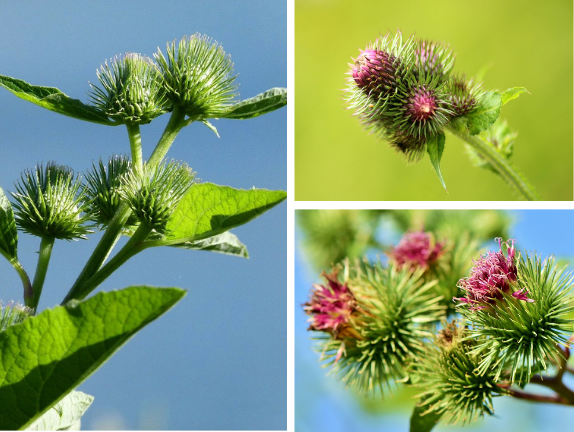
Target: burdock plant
[404, 91]
[378, 324]
[46, 355]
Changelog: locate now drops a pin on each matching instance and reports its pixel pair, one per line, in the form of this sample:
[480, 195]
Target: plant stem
[132, 247]
[556, 399]
[102, 250]
[136, 147]
[500, 164]
[43, 261]
[176, 123]
[556, 384]
[28, 292]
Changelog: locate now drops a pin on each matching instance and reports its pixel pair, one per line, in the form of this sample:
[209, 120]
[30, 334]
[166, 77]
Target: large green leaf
[263, 103]
[65, 415]
[8, 231]
[208, 209]
[46, 356]
[53, 99]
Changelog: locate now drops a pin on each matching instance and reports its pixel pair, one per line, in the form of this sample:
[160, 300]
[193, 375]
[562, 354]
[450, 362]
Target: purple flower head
[422, 104]
[331, 308]
[490, 276]
[416, 250]
[374, 71]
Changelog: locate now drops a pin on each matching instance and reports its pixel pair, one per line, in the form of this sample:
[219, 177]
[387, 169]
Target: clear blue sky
[323, 405]
[218, 360]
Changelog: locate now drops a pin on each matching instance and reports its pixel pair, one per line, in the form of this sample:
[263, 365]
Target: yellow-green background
[525, 43]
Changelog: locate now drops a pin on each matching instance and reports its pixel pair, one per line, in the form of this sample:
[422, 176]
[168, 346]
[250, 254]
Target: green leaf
[210, 126]
[225, 243]
[485, 114]
[263, 103]
[423, 423]
[208, 209]
[435, 147]
[65, 415]
[53, 99]
[46, 356]
[512, 93]
[8, 231]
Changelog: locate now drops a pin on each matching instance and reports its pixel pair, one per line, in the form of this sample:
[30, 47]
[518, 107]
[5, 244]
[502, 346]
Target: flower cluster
[404, 92]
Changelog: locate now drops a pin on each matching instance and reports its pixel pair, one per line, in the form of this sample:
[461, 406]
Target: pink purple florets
[331, 306]
[416, 250]
[493, 274]
[422, 104]
[373, 71]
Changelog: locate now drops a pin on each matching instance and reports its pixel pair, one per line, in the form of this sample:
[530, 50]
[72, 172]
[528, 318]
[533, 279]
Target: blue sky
[218, 360]
[323, 405]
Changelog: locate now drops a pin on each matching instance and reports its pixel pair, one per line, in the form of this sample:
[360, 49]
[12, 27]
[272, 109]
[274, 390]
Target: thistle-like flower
[416, 250]
[153, 196]
[49, 203]
[332, 308]
[132, 91]
[491, 276]
[433, 58]
[197, 76]
[375, 75]
[374, 72]
[102, 187]
[447, 370]
[423, 108]
[464, 96]
[387, 315]
[521, 328]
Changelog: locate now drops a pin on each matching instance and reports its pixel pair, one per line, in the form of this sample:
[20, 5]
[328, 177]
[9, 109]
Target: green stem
[113, 232]
[176, 123]
[500, 164]
[46, 246]
[132, 247]
[102, 250]
[28, 292]
[136, 147]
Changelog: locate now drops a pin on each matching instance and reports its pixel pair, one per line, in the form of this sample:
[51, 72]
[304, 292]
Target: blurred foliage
[331, 235]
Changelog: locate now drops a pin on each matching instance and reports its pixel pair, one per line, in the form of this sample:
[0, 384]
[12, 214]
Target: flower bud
[102, 195]
[423, 111]
[464, 96]
[374, 72]
[131, 90]
[416, 249]
[153, 196]
[448, 372]
[373, 322]
[197, 76]
[49, 203]
[433, 58]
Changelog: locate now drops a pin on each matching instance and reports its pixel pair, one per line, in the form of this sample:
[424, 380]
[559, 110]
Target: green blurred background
[524, 43]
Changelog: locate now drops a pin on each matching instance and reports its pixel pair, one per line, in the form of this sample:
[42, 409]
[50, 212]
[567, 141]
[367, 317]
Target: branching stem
[44, 255]
[136, 147]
